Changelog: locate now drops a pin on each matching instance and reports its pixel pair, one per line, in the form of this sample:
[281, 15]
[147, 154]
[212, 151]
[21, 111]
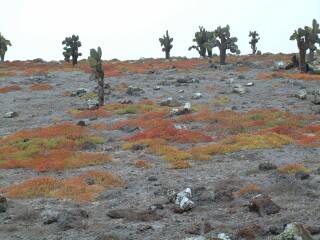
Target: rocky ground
[142, 208]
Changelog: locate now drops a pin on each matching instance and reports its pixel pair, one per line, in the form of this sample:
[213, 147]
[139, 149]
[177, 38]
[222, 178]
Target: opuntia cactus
[315, 29]
[201, 38]
[306, 39]
[4, 43]
[225, 42]
[253, 41]
[166, 43]
[97, 72]
[71, 49]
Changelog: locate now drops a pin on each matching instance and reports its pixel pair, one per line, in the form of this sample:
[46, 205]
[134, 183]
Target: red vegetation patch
[75, 188]
[40, 87]
[147, 120]
[293, 168]
[100, 112]
[247, 189]
[10, 89]
[142, 164]
[180, 165]
[49, 149]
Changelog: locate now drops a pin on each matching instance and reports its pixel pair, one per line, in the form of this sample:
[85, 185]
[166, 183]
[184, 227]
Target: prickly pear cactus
[253, 41]
[97, 72]
[71, 49]
[223, 43]
[306, 39]
[200, 38]
[166, 43]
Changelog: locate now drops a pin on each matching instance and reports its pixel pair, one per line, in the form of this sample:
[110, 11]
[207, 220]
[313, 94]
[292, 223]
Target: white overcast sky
[130, 29]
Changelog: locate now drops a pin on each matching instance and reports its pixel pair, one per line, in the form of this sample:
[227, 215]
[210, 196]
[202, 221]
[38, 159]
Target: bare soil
[213, 213]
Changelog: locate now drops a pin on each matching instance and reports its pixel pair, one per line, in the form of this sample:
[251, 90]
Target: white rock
[10, 114]
[175, 111]
[302, 94]
[183, 200]
[156, 88]
[223, 236]
[249, 84]
[230, 80]
[197, 95]
[239, 89]
[176, 126]
[187, 106]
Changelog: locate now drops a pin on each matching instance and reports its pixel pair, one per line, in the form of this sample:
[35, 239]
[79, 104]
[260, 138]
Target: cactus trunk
[101, 92]
[254, 49]
[74, 60]
[303, 65]
[223, 56]
[209, 53]
[2, 57]
[168, 54]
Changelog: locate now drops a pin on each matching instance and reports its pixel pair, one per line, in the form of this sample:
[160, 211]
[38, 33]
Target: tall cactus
[223, 43]
[306, 39]
[315, 29]
[71, 49]
[4, 43]
[253, 41]
[200, 38]
[97, 72]
[166, 43]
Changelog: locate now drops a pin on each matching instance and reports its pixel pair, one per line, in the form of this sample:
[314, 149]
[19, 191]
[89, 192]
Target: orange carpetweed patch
[304, 76]
[211, 88]
[247, 189]
[293, 168]
[49, 149]
[100, 126]
[76, 188]
[242, 69]
[147, 120]
[142, 164]
[41, 87]
[180, 165]
[10, 89]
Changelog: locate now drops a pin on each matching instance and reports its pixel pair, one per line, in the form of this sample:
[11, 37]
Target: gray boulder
[294, 231]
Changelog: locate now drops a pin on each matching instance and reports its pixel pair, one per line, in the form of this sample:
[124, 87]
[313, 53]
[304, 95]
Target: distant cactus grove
[307, 38]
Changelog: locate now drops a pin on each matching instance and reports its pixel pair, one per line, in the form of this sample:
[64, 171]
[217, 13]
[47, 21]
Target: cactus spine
[166, 43]
[97, 72]
[253, 41]
[4, 43]
[306, 39]
[223, 43]
[71, 49]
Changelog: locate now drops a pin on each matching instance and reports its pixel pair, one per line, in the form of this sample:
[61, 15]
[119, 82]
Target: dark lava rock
[3, 204]
[72, 218]
[223, 195]
[275, 229]
[129, 128]
[267, 166]
[263, 206]
[134, 214]
[88, 146]
[249, 232]
[302, 175]
[152, 178]
[200, 228]
[81, 123]
[137, 147]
